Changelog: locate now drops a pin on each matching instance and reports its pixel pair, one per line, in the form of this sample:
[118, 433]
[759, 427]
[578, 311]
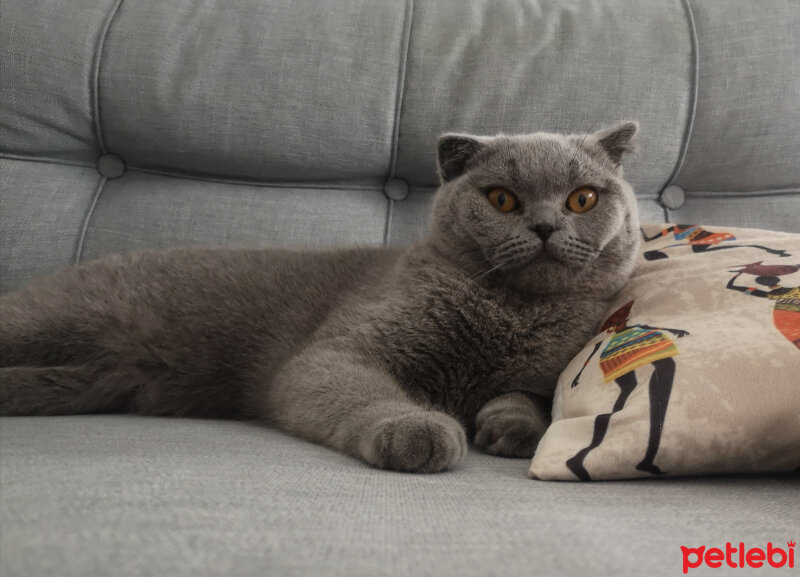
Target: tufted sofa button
[396, 189]
[111, 166]
[673, 197]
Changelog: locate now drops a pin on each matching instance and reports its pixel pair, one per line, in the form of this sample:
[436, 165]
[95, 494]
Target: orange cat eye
[582, 199]
[503, 200]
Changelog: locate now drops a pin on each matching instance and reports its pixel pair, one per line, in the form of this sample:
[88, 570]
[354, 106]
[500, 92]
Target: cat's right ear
[618, 140]
[453, 153]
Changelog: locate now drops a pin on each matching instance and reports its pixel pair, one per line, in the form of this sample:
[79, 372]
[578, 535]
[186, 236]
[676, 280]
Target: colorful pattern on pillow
[697, 368]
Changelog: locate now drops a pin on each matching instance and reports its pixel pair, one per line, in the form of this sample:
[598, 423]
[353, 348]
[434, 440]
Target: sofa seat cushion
[159, 496]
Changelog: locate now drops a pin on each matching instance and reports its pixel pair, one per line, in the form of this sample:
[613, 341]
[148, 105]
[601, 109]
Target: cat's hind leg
[64, 390]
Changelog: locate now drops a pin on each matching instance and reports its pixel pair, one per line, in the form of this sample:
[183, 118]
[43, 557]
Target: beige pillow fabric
[696, 370]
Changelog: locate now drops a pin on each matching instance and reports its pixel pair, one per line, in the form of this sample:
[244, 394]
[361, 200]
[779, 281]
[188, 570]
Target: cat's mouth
[539, 255]
[571, 253]
[547, 257]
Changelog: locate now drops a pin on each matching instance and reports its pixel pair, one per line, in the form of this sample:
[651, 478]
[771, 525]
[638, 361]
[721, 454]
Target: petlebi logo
[738, 556]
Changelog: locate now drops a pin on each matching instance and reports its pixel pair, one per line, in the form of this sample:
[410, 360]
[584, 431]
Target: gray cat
[383, 354]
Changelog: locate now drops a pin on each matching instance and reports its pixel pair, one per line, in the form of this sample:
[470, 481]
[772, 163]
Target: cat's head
[548, 212]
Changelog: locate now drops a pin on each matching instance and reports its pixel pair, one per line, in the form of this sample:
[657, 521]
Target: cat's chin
[573, 261]
[554, 259]
[545, 274]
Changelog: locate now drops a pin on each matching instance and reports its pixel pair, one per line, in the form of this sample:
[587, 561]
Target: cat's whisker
[479, 276]
[511, 245]
[576, 240]
[583, 249]
[583, 257]
[511, 251]
[506, 254]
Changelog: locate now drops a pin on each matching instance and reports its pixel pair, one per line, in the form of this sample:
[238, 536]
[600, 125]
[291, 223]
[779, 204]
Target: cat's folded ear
[454, 151]
[618, 140]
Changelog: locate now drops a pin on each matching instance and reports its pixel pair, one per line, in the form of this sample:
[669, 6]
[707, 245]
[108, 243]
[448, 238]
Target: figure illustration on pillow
[700, 239]
[629, 348]
[786, 314]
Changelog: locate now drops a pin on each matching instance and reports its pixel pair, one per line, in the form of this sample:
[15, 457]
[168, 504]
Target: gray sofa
[155, 123]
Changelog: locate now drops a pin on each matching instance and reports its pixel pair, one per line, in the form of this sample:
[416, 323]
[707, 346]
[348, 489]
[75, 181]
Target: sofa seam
[387, 226]
[695, 81]
[401, 85]
[87, 219]
[402, 68]
[62, 162]
[257, 184]
[94, 95]
[95, 80]
[721, 194]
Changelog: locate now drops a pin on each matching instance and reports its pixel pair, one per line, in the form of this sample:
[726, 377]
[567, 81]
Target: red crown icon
[791, 544]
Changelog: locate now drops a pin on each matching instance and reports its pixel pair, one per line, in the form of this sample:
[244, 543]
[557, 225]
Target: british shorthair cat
[392, 356]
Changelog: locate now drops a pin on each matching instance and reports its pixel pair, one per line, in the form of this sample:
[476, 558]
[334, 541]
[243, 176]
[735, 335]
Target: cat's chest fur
[457, 345]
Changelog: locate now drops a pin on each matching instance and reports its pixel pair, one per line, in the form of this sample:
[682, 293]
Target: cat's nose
[543, 230]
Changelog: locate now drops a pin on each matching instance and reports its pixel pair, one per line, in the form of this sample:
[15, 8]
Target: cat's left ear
[618, 140]
[453, 153]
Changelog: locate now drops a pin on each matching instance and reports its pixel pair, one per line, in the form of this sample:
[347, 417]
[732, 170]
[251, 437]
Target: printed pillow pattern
[696, 369]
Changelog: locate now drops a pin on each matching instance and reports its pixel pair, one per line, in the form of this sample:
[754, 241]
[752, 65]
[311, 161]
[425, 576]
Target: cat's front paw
[509, 432]
[420, 442]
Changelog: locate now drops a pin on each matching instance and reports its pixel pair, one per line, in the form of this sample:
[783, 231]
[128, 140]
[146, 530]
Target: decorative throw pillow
[696, 369]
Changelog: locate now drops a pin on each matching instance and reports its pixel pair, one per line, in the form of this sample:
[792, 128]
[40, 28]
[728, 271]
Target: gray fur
[392, 356]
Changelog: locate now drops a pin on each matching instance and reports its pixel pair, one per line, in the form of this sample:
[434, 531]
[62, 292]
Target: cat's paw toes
[420, 442]
[509, 433]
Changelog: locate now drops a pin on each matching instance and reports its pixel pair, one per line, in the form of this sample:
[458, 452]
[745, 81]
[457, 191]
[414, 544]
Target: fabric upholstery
[747, 86]
[41, 217]
[776, 211]
[157, 496]
[504, 68]
[48, 57]
[268, 90]
[144, 210]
